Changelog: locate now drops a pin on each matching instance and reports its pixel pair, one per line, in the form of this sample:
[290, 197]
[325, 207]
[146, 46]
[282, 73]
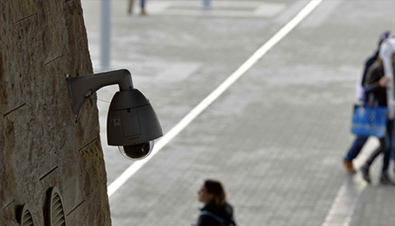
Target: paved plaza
[276, 138]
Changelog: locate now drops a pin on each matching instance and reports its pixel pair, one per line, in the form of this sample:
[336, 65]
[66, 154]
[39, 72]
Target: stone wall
[41, 144]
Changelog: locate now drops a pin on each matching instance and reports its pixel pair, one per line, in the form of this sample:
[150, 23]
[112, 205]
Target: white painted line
[349, 193]
[345, 202]
[129, 172]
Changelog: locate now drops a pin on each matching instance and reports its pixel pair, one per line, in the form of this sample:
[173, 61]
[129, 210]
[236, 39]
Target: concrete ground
[276, 138]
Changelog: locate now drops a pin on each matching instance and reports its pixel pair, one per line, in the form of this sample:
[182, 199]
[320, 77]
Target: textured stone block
[41, 144]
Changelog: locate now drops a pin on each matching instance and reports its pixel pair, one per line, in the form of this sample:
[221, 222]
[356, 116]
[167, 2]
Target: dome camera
[132, 124]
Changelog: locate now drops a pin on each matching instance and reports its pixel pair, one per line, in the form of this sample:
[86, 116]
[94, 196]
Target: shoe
[385, 179]
[143, 12]
[365, 173]
[349, 167]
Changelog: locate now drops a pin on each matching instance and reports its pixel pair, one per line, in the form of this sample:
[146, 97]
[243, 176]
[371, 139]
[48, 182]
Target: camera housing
[132, 123]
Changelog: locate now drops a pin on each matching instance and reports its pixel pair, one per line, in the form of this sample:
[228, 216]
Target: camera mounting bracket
[82, 87]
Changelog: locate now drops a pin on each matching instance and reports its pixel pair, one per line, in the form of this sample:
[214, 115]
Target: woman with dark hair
[360, 140]
[216, 211]
[377, 82]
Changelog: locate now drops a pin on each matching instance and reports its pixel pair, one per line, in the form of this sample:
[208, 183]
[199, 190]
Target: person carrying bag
[379, 86]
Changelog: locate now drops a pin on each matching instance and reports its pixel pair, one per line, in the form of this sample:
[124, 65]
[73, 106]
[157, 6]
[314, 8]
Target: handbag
[369, 121]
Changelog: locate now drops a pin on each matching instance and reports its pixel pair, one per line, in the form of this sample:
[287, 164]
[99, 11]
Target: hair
[216, 188]
[378, 60]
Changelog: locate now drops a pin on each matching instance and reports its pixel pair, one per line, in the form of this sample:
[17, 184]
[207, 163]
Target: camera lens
[137, 151]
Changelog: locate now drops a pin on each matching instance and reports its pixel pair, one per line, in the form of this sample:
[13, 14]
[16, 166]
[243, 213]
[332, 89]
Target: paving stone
[276, 138]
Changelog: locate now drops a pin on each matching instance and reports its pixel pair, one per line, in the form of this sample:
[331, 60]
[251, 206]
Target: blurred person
[142, 6]
[360, 141]
[216, 210]
[376, 87]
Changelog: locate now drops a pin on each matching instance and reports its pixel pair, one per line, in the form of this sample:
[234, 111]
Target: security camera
[132, 123]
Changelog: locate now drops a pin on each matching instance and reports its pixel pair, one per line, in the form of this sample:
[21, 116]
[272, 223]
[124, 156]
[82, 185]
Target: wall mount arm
[82, 87]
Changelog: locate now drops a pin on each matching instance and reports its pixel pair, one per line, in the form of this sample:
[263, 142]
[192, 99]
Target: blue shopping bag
[369, 121]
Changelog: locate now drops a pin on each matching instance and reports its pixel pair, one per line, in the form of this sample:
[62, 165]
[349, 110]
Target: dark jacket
[375, 93]
[224, 212]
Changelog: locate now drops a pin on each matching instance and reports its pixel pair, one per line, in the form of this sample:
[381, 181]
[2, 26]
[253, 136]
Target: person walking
[360, 141]
[376, 86]
[142, 6]
[216, 211]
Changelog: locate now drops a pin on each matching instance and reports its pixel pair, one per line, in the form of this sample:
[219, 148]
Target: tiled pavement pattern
[276, 138]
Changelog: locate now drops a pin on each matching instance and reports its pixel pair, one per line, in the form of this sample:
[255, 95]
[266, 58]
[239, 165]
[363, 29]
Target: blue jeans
[356, 147]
